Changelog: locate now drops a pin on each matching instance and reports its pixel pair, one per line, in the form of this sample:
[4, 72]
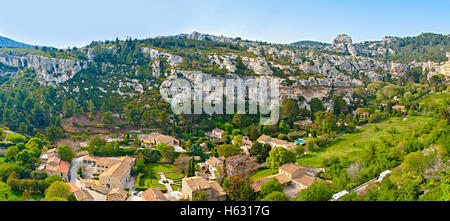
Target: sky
[69, 23]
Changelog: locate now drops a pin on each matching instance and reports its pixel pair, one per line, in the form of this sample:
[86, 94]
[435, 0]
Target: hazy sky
[76, 23]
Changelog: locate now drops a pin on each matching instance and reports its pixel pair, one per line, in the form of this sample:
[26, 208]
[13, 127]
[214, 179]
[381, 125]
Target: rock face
[309, 89]
[344, 44]
[435, 68]
[50, 71]
[258, 65]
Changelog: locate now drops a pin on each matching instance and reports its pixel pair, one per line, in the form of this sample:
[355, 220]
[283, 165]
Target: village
[109, 178]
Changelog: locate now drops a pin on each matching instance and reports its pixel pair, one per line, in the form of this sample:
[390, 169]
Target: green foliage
[275, 196]
[318, 191]
[166, 151]
[279, 156]
[261, 151]
[15, 138]
[57, 190]
[239, 189]
[65, 153]
[54, 133]
[271, 186]
[226, 150]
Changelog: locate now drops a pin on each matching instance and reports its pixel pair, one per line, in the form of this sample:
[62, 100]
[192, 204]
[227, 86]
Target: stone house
[117, 194]
[193, 185]
[118, 175]
[153, 194]
[215, 165]
[274, 142]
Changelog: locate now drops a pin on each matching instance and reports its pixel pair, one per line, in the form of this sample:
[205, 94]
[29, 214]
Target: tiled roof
[292, 168]
[218, 130]
[120, 169]
[282, 179]
[153, 194]
[214, 162]
[63, 166]
[217, 189]
[197, 183]
[305, 180]
[119, 191]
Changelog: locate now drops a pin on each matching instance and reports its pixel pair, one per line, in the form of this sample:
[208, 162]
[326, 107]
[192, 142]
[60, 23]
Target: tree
[11, 152]
[254, 132]
[239, 189]
[24, 157]
[416, 162]
[191, 168]
[65, 153]
[351, 197]
[15, 138]
[289, 109]
[107, 119]
[299, 150]
[38, 175]
[58, 190]
[318, 191]
[237, 140]
[238, 120]
[226, 150]
[316, 105]
[166, 151]
[54, 133]
[279, 156]
[261, 151]
[275, 196]
[91, 107]
[271, 186]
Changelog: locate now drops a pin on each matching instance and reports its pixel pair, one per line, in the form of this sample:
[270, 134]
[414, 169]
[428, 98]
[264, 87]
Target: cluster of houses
[51, 164]
[111, 176]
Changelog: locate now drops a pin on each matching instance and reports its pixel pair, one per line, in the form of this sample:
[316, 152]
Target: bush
[15, 138]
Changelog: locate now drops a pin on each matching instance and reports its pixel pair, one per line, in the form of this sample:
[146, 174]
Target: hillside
[9, 43]
[129, 75]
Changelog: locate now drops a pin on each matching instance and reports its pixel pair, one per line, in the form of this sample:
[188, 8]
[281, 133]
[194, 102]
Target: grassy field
[175, 187]
[2, 158]
[160, 168]
[174, 176]
[149, 181]
[6, 190]
[261, 173]
[350, 144]
[436, 100]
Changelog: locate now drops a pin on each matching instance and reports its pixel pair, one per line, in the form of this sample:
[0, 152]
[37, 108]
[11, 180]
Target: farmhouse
[193, 185]
[156, 138]
[274, 142]
[299, 176]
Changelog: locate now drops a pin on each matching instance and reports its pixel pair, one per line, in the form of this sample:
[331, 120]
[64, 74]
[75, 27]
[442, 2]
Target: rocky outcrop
[344, 43]
[258, 65]
[155, 54]
[434, 68]
[50, 71]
